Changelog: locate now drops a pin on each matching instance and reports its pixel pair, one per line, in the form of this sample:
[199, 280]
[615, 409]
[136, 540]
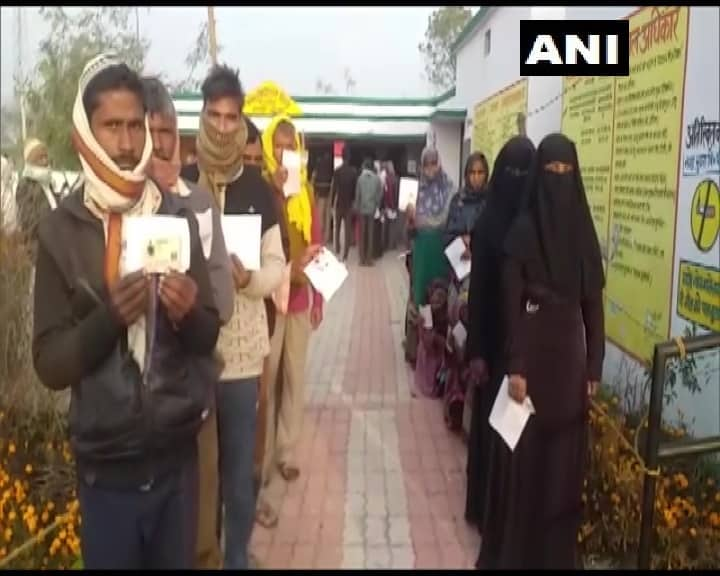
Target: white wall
[448, 144]
[479, 76]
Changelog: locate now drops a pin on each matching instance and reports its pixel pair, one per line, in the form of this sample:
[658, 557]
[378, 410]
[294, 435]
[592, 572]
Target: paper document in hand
[426, 315]
[460, 334]
[243, 235]
[155, 244]
[326, 273]
[454, 254]
[408, 193]
[508, 417]
[205, 229]
[292, 162]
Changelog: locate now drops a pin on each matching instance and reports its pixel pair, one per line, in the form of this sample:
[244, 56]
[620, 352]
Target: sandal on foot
[266, 516]
[289, 472]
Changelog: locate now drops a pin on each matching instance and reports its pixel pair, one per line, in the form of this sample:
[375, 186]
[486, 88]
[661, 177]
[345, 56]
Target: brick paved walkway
[382, 481]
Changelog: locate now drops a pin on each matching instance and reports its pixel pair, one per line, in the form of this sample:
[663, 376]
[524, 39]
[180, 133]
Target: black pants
[343, 219]
[367, 229]
[136, 529]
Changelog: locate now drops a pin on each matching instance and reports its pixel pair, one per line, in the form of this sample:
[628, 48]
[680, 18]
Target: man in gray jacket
[164, 169]
[368, 196]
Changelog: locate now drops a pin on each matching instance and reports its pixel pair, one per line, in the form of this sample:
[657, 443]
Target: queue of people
[533, 296]
[187, 389]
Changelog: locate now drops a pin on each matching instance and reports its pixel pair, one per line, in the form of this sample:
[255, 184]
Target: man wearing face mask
[125, 344]
[35, 196]
[253, 154]
[164, 169]
[244, 342]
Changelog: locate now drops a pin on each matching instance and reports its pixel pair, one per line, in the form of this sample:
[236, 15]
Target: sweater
[244, 341]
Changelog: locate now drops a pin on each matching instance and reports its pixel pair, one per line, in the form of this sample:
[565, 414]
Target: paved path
[382, 481]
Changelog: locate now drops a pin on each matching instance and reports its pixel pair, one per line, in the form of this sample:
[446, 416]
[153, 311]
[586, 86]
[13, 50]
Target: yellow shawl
[299, 207]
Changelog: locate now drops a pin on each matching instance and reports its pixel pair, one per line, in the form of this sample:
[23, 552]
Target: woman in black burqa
[484, 350]
[552, 290]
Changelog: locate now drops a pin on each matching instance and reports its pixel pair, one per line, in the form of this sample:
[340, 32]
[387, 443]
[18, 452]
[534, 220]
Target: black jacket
[125, 430]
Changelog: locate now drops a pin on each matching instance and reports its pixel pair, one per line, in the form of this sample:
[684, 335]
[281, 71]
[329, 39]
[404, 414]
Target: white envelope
[426, 315]
[205, 228]
[408, 193]
[326, 273]
[291, 161]
[454, 254]
[243, 237]
[155, 244]
[508, 417]
[460, 334]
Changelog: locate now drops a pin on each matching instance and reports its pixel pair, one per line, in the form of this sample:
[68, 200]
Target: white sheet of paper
[508, 417]
[408, 193]
[426, 314]
[292, 162]
[460, 334]
[326, 273]
[243, 235]
[205, 229]
[156, 244]
[454, 254]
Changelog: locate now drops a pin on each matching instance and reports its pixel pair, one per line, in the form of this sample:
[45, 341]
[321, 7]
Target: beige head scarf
[220, 157]
[110, 192]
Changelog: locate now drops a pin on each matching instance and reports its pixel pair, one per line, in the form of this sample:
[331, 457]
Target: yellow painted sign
[269, 99]
[705, 215]
[628, 133]
[587, 117]
[495, 119]
[698, 297]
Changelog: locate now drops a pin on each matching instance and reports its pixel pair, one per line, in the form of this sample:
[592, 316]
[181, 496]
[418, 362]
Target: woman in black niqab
[553, 318]
[484, 349]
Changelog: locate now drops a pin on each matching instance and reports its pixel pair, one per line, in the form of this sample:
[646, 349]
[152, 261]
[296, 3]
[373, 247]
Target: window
[487, 42]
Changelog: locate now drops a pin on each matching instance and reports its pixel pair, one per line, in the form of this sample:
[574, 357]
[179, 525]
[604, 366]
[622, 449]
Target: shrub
[37, 485]
[686, 525]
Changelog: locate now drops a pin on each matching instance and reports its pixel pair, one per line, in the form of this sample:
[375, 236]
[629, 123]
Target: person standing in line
[368, 197]
[484, 346]
[244, 342]
[252, 155]
[553, 283]
[135, 410]
[465, 209]
[291, 336]
[343, 199]
[321, 181]
[264, 514]
[164, 168]
[391, 192]
[427, 222]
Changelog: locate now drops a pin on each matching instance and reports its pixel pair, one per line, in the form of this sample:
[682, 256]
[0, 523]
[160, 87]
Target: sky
[293, 46]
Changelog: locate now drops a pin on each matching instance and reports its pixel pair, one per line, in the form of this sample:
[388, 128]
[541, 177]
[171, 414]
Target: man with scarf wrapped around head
[302, 232]
[134, 417]
[244, 342]
[164, 169]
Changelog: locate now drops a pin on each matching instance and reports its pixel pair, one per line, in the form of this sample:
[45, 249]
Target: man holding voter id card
[253, 240]
[123, 311]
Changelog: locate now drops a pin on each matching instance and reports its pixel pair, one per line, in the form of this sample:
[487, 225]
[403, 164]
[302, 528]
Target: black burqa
[553, 318]
[485, 334]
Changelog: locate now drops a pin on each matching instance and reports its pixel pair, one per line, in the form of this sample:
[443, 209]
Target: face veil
[559, 230]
